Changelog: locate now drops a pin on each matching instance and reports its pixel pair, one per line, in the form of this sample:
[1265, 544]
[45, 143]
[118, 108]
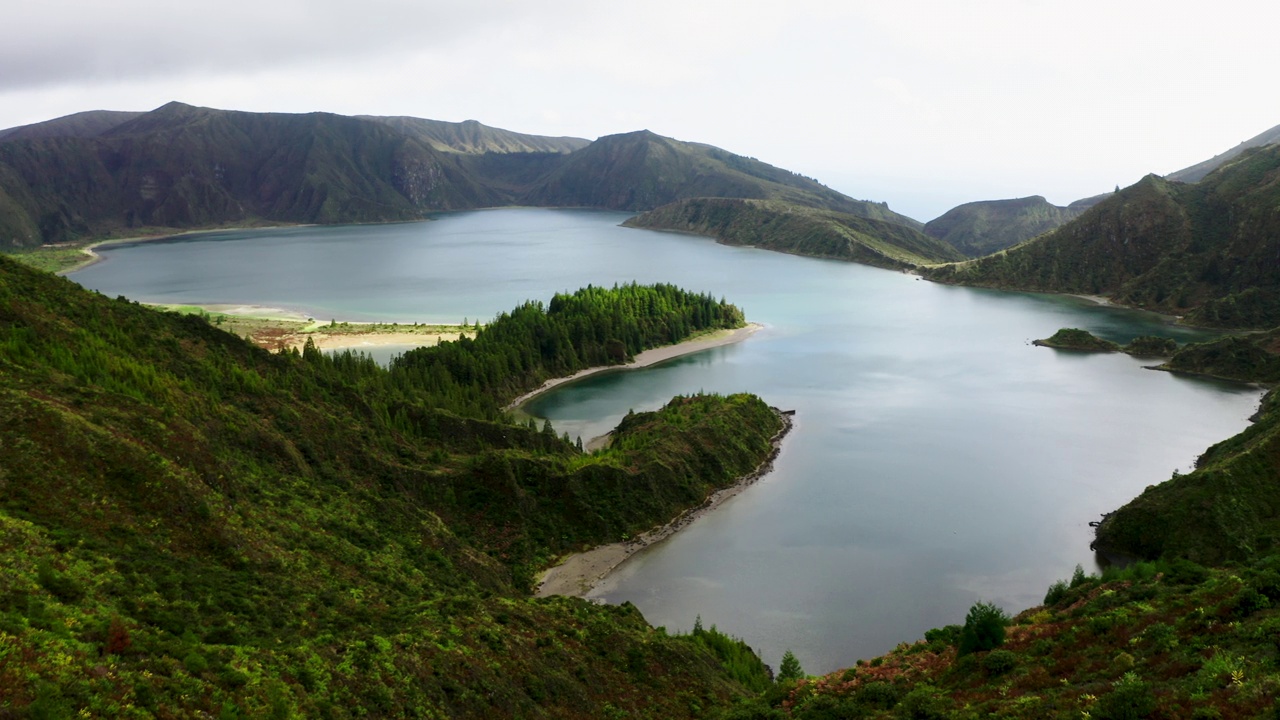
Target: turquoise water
[938, 458]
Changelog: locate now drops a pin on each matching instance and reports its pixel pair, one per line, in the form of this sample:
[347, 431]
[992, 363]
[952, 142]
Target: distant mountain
[1207, 251]
[473, 138]
[790, 228]
[980, 228]
[1196, 172]
[79, 125]
[643, 170]
[182, 166]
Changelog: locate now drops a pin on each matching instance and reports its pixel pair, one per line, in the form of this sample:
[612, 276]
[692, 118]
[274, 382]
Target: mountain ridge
[186, 167]
[1205, 251]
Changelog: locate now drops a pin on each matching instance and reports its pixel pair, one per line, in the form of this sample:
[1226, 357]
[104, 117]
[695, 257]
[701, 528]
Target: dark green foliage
[257, 535]
[943, 637]
[981, 228]
[1151, 346]
[983, 629]
[1228, 508]
[924, 703]
[736, 657]
[1131, 699]
[789, 669]
[1077, 339]
[999, 662]
[1056, 593]
[795, 228]
[1136, 641]
[519, 350]
[1250, 358]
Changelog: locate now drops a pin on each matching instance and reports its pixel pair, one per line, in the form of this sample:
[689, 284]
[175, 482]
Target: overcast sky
[924, 104]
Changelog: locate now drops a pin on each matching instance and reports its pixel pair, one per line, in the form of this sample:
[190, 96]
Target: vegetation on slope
[1156, 640]
[642, 171]
[1206, 251]
[981, 228]
[190, 524]
[791, 228]
[1227, 509]
[1085, 341]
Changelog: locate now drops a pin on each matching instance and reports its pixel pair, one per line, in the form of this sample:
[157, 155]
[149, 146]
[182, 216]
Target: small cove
[937, 458]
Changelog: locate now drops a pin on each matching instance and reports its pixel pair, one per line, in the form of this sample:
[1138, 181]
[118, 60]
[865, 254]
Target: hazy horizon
[923, 104]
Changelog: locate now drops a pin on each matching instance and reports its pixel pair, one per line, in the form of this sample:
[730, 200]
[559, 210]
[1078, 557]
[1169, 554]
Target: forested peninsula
[192, 525]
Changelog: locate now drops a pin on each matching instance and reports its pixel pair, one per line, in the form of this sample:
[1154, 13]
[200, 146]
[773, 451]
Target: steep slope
[82, 125]
[473, 138]
[190, 526]
[181, 166]
[1207, 251]
[1228, 508]
[1196, 172]
[981, 228]
[785, 227]
[642, 171]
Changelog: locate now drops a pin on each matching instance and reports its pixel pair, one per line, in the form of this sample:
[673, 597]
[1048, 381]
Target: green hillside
[643, 171]
[799, 230]
[1206, 251]
[193, 527]
[981, 228]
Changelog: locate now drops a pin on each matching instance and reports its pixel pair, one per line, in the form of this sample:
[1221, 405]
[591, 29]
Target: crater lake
[938, 457]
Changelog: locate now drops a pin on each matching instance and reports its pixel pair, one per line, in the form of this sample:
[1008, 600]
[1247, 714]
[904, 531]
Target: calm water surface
[938, 458]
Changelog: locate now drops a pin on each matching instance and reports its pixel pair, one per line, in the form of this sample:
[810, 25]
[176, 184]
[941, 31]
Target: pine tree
[790, 669]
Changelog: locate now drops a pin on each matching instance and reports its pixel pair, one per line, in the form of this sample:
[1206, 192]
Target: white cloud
[916, 102]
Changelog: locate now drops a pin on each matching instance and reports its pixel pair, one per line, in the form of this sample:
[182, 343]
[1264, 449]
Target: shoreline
[646, 358]
[579, 574]
[92, 257]
[277, 328]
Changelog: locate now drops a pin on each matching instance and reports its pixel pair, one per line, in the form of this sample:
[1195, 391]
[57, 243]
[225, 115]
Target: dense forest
[534, 342]
[192, 526]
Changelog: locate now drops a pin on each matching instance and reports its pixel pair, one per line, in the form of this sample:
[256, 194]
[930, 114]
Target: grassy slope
[190, 524]
[786, 227]
[1206, 251]
[981, 228]
[642, 171]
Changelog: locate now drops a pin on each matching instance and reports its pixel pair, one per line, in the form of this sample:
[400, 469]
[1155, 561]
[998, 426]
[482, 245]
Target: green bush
[1057, 592]
[999, 662]
[1131, 699]
[983, 628]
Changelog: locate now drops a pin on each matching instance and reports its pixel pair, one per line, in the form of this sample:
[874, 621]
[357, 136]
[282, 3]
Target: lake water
[938, 458]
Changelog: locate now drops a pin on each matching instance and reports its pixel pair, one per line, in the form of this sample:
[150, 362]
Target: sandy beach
[356, 341]
[577, 574]
[649, 357]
